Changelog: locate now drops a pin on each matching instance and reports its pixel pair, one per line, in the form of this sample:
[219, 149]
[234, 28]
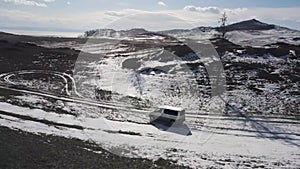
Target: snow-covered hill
[246, 33]
[116, 78]
[110, 33]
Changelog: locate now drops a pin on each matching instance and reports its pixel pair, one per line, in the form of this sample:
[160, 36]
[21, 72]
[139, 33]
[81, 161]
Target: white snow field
[220, 141]
[254, 38]
[109, 97]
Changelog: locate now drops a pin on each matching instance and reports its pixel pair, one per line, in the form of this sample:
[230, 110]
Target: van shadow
[181, 129]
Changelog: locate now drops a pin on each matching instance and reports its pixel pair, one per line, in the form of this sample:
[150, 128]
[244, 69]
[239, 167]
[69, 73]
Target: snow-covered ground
[254, 38]
[154, 87]
[244, 142]
[108, 97]
[263, 37]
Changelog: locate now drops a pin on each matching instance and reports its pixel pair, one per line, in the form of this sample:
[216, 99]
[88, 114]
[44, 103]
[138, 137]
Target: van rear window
[171, 112]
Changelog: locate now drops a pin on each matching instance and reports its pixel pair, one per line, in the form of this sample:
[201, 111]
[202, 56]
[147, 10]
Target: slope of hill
[103, 91]
[246, 33]
[252, 24]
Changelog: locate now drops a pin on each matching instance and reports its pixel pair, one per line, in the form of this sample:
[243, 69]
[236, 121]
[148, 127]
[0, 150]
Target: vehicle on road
[168, 115]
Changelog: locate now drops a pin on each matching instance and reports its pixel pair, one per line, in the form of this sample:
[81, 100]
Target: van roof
[171, 108]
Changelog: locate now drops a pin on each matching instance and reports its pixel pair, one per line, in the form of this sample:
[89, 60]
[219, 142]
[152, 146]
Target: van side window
[171, 112]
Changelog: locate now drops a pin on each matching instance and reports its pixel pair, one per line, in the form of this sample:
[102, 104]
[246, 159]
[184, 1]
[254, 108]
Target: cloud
[114, 13]
[235, 11]
[68, 3]
[15, 14]
[209, 9]
[26, 3]
[49, 1]
[161, 3]
[156, 20]
[152, 21]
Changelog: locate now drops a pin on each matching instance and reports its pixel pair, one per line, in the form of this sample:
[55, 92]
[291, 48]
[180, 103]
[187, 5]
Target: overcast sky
[81, 15]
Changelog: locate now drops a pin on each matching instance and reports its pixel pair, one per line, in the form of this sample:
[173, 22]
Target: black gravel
[20, 149]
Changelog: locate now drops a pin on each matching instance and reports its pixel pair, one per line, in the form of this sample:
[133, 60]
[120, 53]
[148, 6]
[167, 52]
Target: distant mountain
[203, 28]
[174, 31]
[252, 24]
[115, 34]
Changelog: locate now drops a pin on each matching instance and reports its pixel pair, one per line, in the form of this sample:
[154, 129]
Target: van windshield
[171, 112]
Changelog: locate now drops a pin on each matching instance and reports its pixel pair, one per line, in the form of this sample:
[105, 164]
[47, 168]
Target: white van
[168, 114]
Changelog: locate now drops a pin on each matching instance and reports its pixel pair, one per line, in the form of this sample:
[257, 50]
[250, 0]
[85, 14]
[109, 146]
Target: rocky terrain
[78, 97]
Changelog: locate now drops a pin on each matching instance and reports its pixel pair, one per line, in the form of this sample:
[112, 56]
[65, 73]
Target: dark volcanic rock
[25, 150]
[296, 39]
[252, 24]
